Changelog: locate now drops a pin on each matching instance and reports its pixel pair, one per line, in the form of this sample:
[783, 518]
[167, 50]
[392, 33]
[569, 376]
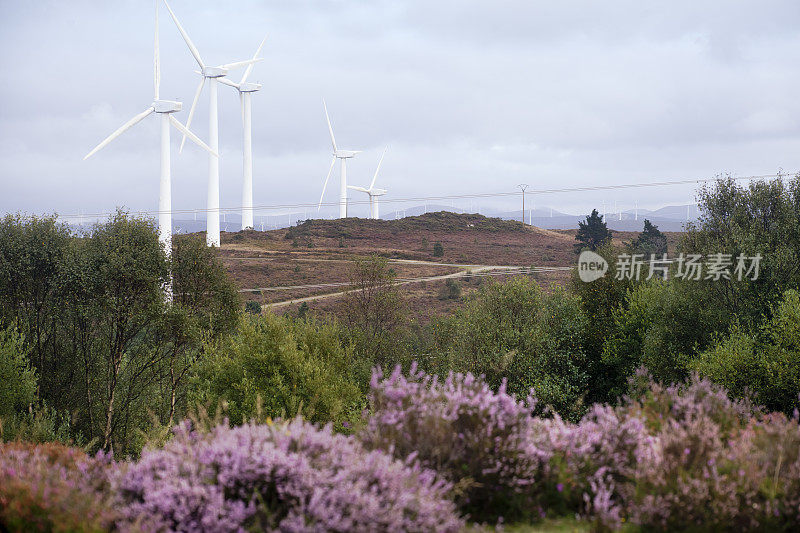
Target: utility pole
[522, 187]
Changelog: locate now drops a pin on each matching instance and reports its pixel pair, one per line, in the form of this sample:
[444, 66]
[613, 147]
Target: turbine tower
[212, 74]
[165, 108]
[344, 155]
[372, 191]
[245, 91]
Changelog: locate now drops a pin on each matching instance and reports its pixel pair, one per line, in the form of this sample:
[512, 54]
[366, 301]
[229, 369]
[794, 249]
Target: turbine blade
[156, 59]
[362, 189]
[239, 64]
[186, 38]
[192, 136]
[371, 185]
[228, 82]
[125, 127]
[191, 109]
[250, 66]
[325, 185]
[330, 128]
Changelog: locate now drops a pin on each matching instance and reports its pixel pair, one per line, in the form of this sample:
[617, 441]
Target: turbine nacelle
[377, 192]
[249, 87]
[346, 154]
[166, 106]
[215, 72]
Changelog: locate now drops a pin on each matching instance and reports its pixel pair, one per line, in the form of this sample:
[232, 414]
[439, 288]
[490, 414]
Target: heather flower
[485, 442]
[287, 476]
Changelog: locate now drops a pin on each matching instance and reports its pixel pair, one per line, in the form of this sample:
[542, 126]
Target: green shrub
[661, 327]
[274, 366]
[450, 291]
[252, 307]
[765, 363]
[17, 378]
[514, 330]
[438, 250]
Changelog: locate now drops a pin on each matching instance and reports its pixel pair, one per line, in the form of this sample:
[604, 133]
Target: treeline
[93, 351]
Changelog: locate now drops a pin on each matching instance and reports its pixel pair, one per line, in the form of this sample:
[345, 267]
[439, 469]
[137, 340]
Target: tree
[764, 363]
[762, 218]
[592, 233]
[18, 390]
[650, 241]
[438, 250]
[516, 331]
[107, 347]
[374, 308]
[279, 367]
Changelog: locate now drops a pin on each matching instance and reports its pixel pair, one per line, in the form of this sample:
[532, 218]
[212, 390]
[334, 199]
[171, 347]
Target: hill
[280, 268]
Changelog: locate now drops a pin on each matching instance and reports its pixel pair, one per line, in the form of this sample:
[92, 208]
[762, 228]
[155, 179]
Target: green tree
[375, 310]
[277, 367]
[660, 327]
[650, 241]
[599, 301]
[762, 218]
[592, 233]
[765, 363]
[516, 331]
[438, 250]
[17, 378]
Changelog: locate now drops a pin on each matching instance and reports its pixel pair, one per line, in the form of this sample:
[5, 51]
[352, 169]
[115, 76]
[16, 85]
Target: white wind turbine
[344, 155]
[372, 191]
[213, 74]
[245, 91]
[165, 108]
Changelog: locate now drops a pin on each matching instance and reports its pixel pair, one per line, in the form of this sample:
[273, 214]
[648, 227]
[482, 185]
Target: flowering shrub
[51, 487]
[486, 443]
[288, 476]
[719, 464]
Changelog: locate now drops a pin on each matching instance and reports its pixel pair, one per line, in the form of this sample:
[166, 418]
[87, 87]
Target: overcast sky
[469, 96]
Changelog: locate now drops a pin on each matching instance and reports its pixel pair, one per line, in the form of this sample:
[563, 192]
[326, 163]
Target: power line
[271, 207]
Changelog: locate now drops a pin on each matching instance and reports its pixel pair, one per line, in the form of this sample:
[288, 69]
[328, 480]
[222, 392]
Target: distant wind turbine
[212, 74]
[245, 91]
[344, 155]
[165, 108]
[372, 191]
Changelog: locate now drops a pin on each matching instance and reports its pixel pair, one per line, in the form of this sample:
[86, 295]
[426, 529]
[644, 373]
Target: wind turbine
[213, 74]
[344, 155]
[372, 191]
[245, 91]
[165, 108]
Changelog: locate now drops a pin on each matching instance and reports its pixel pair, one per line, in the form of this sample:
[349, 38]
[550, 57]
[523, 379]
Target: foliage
[53, 488]
[515, 331]
[600, 300]
[18, 391]
[375, 310]
[252, 307]
[451, 290]
[480, 440]
[274, 366]
[760, 218]
[202, 286]
[438, 249]
[765, 364]
[650, 241]
[107, 347]
[287, 476]
[660, 327]
[592, 233]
